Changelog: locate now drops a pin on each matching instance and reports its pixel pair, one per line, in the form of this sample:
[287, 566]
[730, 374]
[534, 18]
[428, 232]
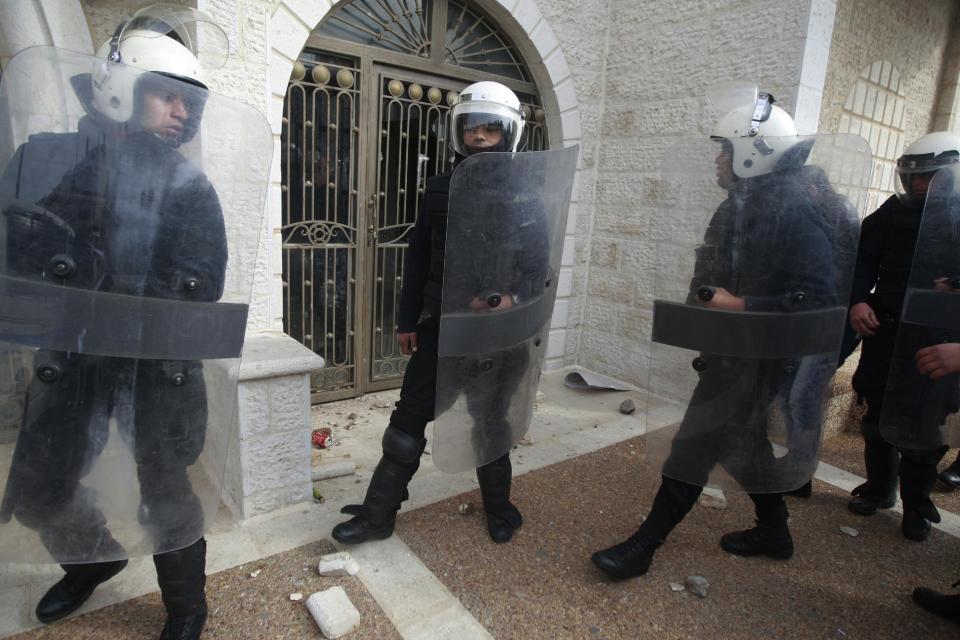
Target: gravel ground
[241, 607]
[543, 586]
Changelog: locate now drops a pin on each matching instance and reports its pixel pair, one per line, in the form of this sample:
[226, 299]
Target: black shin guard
[182, 577]
[673, 501]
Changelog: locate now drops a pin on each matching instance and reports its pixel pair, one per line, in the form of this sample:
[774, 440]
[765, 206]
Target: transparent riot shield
[127, 250]
[750, 295]
[505, 227]
[922, 397]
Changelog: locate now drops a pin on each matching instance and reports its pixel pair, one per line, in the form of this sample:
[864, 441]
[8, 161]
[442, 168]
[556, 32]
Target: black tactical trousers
[487, 403]
[65, 429]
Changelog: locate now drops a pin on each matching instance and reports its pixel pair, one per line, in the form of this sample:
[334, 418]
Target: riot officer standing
[486, 118]
[116, 248]
[888, 243]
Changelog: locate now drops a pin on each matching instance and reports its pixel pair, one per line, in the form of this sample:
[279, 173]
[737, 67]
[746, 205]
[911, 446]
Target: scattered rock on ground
[465, 508]
[352, 416]
[713, 498]
[333, 612]
[296, 597]
[628, 406]
[850, 531]
[698, 585]
[526, 441]
[254, 574]
[338, 564]
[676, 586]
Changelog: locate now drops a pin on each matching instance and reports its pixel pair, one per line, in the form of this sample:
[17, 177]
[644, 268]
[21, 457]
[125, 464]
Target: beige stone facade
[624, 79]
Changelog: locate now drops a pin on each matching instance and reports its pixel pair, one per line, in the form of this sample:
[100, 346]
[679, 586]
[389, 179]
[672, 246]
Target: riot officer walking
[764, 309]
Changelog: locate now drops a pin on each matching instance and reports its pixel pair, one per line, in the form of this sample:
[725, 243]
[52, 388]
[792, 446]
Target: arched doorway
[363, 127]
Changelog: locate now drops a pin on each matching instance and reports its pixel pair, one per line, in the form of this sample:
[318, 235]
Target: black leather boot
[879, 491]
[629, 559]
[75, 588]
[951, 475]
[771, 537]
[918, 474]
[945, 606]
[761, 540]
[633, 556]
[376, 517]
[182, 578]
[866, 503]
[503, 518]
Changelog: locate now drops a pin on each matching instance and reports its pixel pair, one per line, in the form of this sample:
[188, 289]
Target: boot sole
[777, 554]
[870, 512]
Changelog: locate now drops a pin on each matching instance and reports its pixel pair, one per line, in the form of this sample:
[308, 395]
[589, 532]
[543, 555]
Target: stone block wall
[640, 72]
[913, 36]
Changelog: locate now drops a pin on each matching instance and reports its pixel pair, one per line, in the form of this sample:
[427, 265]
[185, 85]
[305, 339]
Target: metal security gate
[363, 129]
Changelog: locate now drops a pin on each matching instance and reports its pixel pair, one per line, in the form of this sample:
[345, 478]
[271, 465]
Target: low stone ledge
[268, 461]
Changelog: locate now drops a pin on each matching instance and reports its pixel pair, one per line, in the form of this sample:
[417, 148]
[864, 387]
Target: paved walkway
[417, 601]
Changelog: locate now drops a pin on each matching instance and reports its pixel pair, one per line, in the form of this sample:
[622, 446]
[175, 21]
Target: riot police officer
[769, 247]
[114, 215]
[487, 117]
[888, 244]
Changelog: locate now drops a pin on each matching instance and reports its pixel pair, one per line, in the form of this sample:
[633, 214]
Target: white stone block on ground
[334, 469]
[338, 564]
[333, 612]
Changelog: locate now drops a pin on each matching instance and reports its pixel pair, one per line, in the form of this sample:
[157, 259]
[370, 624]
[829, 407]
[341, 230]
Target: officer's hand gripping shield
[922, 396]
[127, 255]
[736, 397]
[505, 228]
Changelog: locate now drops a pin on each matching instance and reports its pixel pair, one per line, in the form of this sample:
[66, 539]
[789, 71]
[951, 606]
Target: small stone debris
[352, 416]
[296, 597]
[698, 585]
[333, 469]
[333, 612]
[627, 407]
[850, 531]
[713, 498]
[676, 586]
[254, 574]
[338, 564]
[465, 508]
[526, 441]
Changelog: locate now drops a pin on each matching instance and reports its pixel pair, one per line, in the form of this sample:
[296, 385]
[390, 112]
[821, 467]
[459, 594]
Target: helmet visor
[484, 126]
[194, 29]
[724, 98]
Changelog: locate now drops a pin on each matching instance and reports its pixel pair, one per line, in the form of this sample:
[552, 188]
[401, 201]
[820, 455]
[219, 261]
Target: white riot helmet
[165, 40]
[925, 156]
[490, 106]
[759, 135]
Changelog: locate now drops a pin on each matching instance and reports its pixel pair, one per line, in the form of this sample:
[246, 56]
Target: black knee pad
[400, 446]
